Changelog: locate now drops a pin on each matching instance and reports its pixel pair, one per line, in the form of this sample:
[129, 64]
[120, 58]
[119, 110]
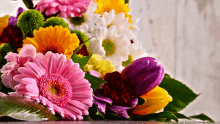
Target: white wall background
[184, 35]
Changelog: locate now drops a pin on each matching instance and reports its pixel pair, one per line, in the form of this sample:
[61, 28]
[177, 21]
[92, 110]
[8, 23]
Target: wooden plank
[197, 53]
[157, 26]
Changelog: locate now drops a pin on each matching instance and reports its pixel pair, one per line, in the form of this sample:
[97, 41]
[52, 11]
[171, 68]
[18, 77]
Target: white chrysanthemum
[86, 23]
[134, 26]
[136, 51]
[110, 45]
[120, 21]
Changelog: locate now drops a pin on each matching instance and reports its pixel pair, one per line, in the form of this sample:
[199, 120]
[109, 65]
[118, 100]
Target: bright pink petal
[27, 72]
[28, 50]
[11, 57]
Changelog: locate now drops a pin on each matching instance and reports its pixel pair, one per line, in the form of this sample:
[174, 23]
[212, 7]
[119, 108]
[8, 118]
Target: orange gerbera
[55, 39]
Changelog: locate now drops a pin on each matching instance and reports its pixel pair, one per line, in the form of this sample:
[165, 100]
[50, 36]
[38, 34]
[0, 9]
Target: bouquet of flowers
[81, 60]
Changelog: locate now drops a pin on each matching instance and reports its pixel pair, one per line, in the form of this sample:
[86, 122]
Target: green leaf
[24, 109]
[82, 61]
[182, 116]
[79, 47]
[180, 93]
[28, 3]
[94, 81]
[203, 117]
[156, 116]
[95, 114]
[126, 1]
[141, 100]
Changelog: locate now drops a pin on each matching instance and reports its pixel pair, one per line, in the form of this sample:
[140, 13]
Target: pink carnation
[10, 69]
[69, 8]
[57, 83]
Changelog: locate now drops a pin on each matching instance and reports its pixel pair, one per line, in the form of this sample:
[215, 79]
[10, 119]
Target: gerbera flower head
[14, 61]
[66, 8]
[56, 39]
[3, 23]
[57, 83]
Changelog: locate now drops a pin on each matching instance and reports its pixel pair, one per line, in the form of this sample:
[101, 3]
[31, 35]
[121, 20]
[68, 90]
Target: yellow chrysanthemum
[55, 39]
[3, 23]
[100, 65]
[156, 100]
[118, 5]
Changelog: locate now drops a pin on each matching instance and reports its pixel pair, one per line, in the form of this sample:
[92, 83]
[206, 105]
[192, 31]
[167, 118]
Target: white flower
[110, 18]
[110, 45]
[136, 51]
[134, 26]
[86, 23]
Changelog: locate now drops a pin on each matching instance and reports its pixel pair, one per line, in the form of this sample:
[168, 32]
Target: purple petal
[121, 111]
[20, 10]
[101, 105]
[12, 21]
[145, 72]
[134, 102]
[99, 96]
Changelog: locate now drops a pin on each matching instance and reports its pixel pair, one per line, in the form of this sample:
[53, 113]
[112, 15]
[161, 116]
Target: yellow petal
[156, 100]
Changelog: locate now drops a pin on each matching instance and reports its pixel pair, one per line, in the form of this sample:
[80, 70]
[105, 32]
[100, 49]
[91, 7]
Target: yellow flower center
[109, 47]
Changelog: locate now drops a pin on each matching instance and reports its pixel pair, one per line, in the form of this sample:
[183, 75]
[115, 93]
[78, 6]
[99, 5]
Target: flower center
[128, 62]
[120, 91]
[78, 20]
[109, 47]
[55, 88]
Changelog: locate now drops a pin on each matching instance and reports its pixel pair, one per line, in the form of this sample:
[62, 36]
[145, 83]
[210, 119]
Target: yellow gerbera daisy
[118, 5]
[55, 39]
[100, 65]
[3, 23]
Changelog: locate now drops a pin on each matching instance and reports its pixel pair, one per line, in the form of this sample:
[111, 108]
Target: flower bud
[145, 73]
[155, 100]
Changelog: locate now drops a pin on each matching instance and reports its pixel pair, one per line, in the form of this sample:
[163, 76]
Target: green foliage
[95, 114]
[24, 109]
[79, 47]
[82, 61]
[4, 49]
[53, 21]
[180, 93]
[141, 100]
[162, 116]
[203, 117]
[30, 20]
[126, 1]
[94, 81]
[28, 3]
[82, 36]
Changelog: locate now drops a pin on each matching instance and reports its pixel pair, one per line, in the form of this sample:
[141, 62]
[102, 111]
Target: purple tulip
[145, 73]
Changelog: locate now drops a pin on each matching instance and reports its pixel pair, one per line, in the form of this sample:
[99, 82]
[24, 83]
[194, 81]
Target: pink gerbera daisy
[57, 83]
[71, 8]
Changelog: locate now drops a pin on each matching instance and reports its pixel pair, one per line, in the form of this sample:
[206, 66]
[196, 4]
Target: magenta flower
[71, 8]
[120, 92]
[14, 61]
[57, 83]
[145, 72]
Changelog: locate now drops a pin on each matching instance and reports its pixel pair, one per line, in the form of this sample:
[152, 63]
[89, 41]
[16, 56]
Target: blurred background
[184, 35]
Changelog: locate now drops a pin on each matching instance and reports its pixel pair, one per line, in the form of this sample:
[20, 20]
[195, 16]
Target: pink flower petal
[54, 4]
[35, 69]
[63, 8]
[19, 77]
[28, 50]
[73, 109]
[11, 57]
[78, 104]
[27, 72]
